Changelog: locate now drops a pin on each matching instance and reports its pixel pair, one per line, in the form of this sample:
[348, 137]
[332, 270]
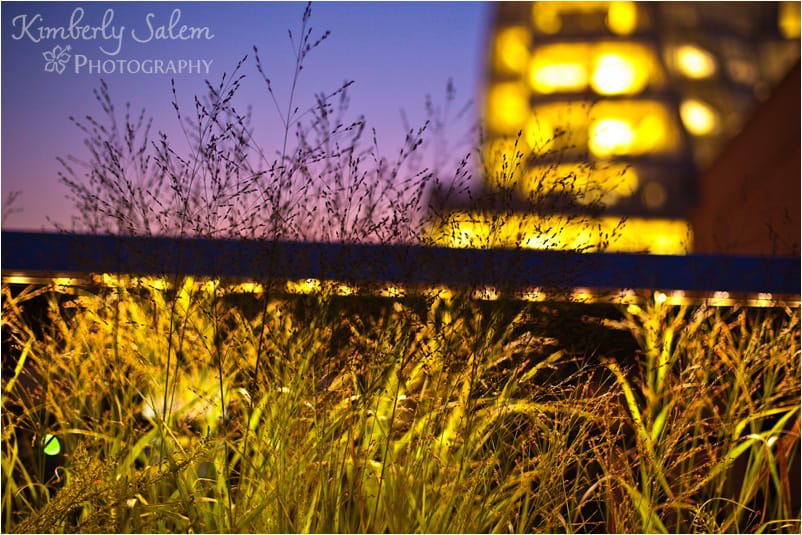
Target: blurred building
[683, 118]
[749, 196]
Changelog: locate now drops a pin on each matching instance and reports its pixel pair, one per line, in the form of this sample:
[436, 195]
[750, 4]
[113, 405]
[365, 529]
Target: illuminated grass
[281, 406]
[457, 417]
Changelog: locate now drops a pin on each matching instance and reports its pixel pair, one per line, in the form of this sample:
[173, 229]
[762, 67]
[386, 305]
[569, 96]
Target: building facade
[606, 123]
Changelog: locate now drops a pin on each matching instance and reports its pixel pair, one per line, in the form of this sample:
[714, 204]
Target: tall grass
[174, 404]
[714, 407]
[435, 415]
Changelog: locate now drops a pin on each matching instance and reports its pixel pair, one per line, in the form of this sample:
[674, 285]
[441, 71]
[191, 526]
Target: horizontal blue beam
[50, 253]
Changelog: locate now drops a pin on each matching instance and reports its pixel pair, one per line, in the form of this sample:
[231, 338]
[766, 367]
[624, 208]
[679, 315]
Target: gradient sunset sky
[397, 53]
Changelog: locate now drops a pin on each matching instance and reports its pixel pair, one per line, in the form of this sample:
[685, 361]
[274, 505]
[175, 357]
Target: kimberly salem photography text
[81, 45]
[82, 64]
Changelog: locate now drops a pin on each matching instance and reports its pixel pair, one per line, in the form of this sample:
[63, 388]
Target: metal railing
[52, 255]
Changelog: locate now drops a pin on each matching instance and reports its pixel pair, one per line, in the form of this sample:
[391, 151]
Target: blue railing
[50, 254]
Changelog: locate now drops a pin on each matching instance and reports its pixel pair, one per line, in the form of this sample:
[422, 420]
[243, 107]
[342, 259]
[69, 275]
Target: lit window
[611, 68]
[653, 132]
[546, 17]
[539, 135]
[789, 22]
[508, 107]
[632, 127]
[611, 137]
[559, 76]
[656, 236]
[557, 126]
[588, 183]
[512, 50]
[699, 118]
[622, 17]
[647, 127]
[560, 67]
[694, 62]
[614, 75]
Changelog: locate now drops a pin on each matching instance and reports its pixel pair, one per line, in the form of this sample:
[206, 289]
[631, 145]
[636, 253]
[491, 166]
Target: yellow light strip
[20, 279]
[303, 286]
[485, 293]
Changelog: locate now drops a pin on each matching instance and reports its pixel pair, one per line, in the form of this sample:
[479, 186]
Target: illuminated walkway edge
[48, 254]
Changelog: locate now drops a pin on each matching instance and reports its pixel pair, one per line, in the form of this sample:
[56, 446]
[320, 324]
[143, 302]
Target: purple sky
[397, 53]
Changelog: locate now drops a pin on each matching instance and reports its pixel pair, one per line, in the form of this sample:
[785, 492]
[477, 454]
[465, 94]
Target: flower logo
[57, 58]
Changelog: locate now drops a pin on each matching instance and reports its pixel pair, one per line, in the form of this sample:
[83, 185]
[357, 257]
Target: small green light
[52, 445]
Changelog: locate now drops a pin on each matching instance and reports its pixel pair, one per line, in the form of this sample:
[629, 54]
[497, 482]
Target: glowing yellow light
[533, 294]
[605, 183]
[18, 279]
[611, 137]
[559, 67]
[699, 118]
[615, 75]
[438, 292]
[660, 298]
[789, 19]
[541, 241]
[627, 297]
[611, 67]
[721, 299]
[694, 62]
[654, 195]
[248, 287]
[667, 237]
[465, 237]
[346, 289]
[634, 127]
[677, 298]
[154, 283]
[512, 50]
[502, 159]
[652, 131]
[392, 291]
[622, 17]
[546, 17]
[304, 286]
[633, 309]
[559, 77]
[211, 286]
[582, 295]
[508, 107]
[487, 293]
[538, 135]
[656, 236]
[762, 300]
[556, 126]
